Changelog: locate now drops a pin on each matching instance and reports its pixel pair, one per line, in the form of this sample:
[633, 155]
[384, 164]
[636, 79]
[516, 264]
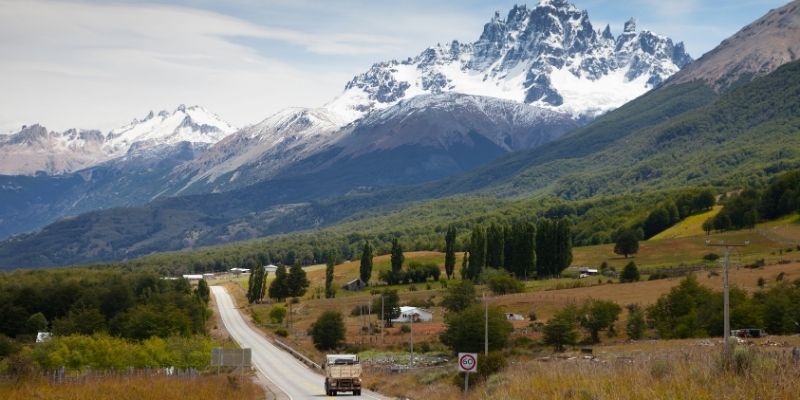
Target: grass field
[134, 388]
[678, 369]
[768, 241]
[690, 226]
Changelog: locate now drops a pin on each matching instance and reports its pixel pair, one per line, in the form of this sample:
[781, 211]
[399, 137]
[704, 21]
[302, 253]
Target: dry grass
[136, 388]
[669, 370]
[546, 303]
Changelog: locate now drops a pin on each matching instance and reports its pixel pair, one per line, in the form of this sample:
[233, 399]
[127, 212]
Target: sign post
[468, 364]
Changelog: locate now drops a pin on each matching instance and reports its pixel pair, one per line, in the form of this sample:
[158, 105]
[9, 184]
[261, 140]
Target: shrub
[561, 329]
[328, 331]
[634, 328]
[282, 332]
[460, 296]
[277, 313]
[761, 282]
[502, 282]
[598, 315]
[711, 257]
[465, 329]
[630, 273]
[405, 328]
[490, 364]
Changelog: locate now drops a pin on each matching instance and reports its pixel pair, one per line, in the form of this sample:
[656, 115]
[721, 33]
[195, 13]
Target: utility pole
[411, 331]
[726, 306]
[485, 326]
[383, 320]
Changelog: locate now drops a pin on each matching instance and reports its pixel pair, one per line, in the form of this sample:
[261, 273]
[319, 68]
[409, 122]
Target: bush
[460, 296]
[711, 257]
[405, 328]
[561, 329]
[276, 314]
[465, 330]
[634, 328]
[630, 273]
[282, 332]
[490, 364]
[502, 282]
[328, 331]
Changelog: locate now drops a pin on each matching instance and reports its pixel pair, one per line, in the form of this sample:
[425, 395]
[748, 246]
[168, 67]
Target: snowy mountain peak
[630, 26]
[192, 124]
[549, 56]
[35, 149]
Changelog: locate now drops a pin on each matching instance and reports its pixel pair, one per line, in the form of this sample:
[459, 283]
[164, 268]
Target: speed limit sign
[467, 362]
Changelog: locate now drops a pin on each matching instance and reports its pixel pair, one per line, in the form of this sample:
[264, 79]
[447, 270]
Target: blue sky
[98, 64]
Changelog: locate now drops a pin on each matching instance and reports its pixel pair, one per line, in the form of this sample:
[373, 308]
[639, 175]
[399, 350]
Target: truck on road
[342, 374]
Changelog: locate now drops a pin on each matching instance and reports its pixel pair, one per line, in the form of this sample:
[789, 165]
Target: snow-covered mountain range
[549, 56]
[34, 149]
[530, 77]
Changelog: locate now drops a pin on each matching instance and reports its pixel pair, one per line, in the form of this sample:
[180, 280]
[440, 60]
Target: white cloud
[74, 64]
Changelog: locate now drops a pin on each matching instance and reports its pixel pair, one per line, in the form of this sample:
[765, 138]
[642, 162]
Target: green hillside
[672, 138]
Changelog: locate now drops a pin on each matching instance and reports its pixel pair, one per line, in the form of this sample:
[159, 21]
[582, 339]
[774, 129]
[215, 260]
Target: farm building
[415, 314]
[193, 277]
[271, 268]
[355, 284]
[514, 317]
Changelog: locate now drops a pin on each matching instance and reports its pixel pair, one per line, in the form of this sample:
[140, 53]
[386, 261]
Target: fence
[88, 376]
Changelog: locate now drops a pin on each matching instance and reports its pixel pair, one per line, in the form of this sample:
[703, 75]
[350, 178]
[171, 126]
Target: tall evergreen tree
[297, 282]
[495, 246]
[256, 284]
[523, 258]
[509, 247]
[450, 251]
[365, 269]
[279, 288]
[330, 292]
[553, 247]
[397, 257]
[477, 253]
[563, 245]
[465, 265]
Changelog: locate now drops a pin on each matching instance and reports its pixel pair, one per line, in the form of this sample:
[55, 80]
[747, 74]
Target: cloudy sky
[99, 64]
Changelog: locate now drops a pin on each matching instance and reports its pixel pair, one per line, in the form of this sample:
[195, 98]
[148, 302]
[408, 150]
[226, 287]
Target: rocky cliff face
[754, 51]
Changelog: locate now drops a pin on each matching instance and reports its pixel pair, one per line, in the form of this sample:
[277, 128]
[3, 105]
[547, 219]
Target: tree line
[133, 305]
[743, 210]
[524, 249]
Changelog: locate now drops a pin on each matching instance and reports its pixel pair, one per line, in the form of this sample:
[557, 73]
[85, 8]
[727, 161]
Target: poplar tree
[397, 257]
[477, 253]
[450, 251]
[365, 269]
[495, 246]
[330, 292]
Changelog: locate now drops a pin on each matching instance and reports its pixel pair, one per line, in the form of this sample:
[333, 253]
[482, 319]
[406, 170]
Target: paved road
[291, 376]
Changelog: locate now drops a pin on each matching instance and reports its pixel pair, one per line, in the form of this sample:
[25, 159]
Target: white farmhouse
[415, 314]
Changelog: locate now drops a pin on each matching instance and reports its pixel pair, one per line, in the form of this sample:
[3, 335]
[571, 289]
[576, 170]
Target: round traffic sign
[467, 362]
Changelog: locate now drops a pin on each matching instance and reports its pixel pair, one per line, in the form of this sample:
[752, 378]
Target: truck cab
[342, 374]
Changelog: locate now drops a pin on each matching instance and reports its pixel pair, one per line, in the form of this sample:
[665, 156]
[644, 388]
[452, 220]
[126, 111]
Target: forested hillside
[672, 138]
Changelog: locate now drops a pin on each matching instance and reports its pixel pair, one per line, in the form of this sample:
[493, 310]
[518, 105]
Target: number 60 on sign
[467, 362]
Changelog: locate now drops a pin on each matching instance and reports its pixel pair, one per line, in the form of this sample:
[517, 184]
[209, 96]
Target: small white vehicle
[342, 374]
